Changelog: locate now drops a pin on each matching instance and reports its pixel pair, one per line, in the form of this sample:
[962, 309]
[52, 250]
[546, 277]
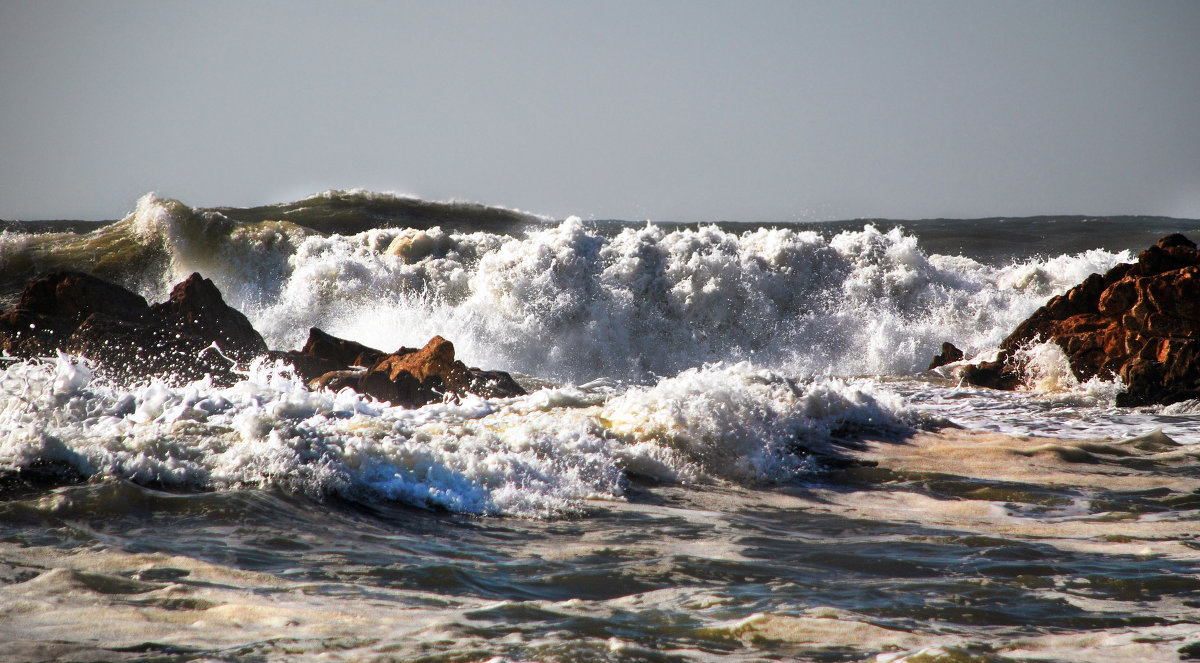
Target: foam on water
[725, 356]
[741, 422]
[573, 302]
[541, 455]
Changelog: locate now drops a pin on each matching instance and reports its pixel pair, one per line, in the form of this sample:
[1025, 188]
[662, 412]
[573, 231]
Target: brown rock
[346, 353]
[1002, 374]
[132, 349]
[435, 359]
[407, 377]
[76, 295]
[948, 355]
[195, 308]
[1139, 321]
[493, 384]
[81, 314]
[324, 353]
[1117, 298]
[404, 389]
[26, 334]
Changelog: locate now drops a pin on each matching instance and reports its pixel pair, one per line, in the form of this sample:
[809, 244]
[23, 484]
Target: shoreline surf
[730, 451]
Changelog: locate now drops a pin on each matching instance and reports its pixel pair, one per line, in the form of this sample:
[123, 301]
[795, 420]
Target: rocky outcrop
[196, 309]
[409, 376]
[195, 333]
[1139, 322]
[181, 339]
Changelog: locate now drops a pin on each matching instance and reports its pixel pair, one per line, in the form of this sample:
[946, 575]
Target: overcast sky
[661, 110]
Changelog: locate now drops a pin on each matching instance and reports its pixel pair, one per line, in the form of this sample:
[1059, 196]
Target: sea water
[730, 449]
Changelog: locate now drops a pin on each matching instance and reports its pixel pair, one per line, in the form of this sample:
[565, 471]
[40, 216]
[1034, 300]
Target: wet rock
[1139, 321]
[409, 377]
[998, 374]
[492, 384]
[37, 477]
[948, 355]
[25, 333]
[196, 309]
[52, 307]
[195, 333]
[80, 314]
[76, 295]
[325, 353]
[130, 349]
[436, 359]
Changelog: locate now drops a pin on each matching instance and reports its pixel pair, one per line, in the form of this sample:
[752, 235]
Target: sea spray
[743, 423]
[573, 301]
[663, 511]
[569, 303]
[541, 455]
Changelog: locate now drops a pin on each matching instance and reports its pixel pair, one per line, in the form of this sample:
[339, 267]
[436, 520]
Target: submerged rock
[1139, 321]
[37, 477]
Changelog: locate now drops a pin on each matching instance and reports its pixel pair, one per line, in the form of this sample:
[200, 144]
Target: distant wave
[357, 210]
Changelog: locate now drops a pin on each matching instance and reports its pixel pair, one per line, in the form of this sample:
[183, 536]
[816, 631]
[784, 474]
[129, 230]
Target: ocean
[731, 449]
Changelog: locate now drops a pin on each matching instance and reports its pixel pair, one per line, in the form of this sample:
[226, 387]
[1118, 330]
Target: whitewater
[731, 448]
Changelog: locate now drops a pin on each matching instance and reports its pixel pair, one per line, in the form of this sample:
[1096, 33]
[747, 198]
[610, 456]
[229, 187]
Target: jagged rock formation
[1140, 321]
[80, 314]
[195, 333]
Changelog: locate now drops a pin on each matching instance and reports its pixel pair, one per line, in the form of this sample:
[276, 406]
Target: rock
[25, 333]
[37, 477]
[998, 374]
[1139, 321]
[408, 377]
[195, 333]
[403, 389]
[325, 353]
[195, 308]
[81, 314]
[131, 349]
[493, 384]
[949, 355]
[435, 359]
[76, 295]
[51, 307]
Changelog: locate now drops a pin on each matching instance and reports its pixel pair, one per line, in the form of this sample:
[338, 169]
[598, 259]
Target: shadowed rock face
[78, 313]
[1139, 321]
[948, 355]
[195, 308]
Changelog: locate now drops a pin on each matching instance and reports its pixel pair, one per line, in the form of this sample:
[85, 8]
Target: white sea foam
[741, 422]
[541, 455]
[708, 308]
[248, 262]
[572, 303]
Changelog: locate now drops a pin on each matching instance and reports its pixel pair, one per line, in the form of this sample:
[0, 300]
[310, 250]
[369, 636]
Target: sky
[662, 110]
